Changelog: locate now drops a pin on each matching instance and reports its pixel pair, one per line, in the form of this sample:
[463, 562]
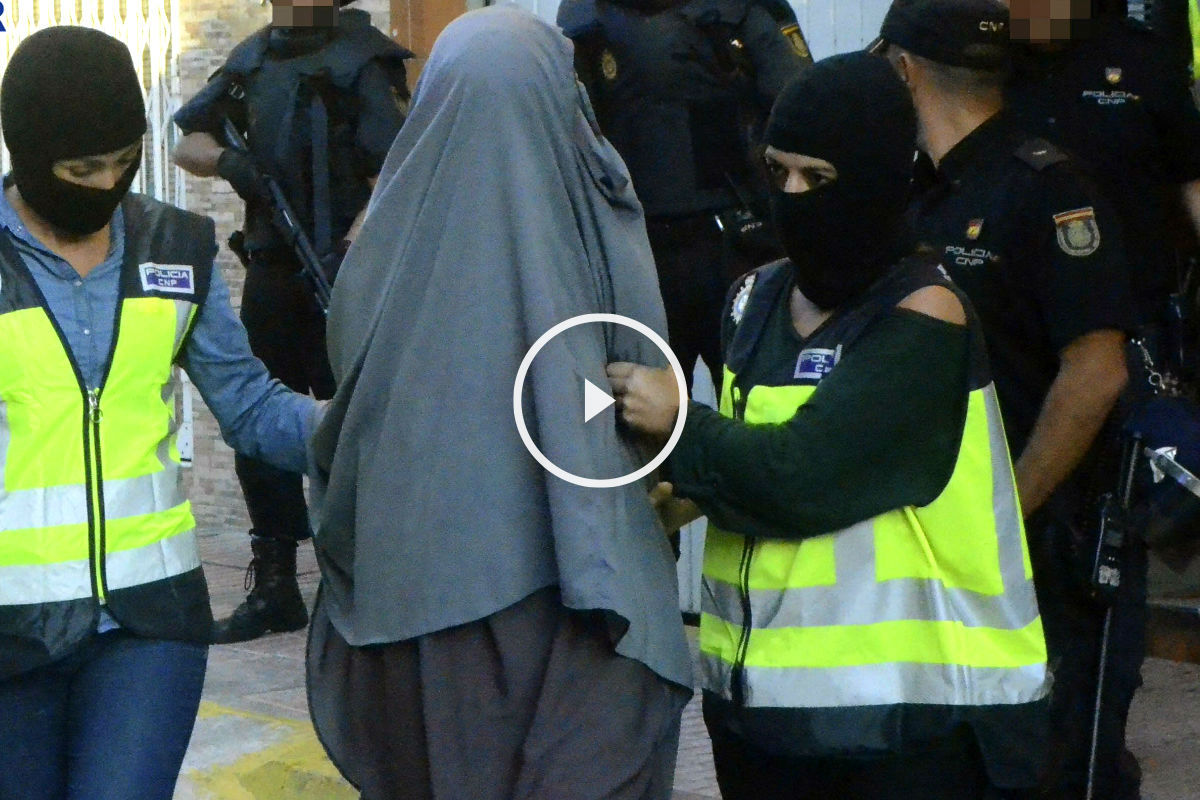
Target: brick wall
[209, 30]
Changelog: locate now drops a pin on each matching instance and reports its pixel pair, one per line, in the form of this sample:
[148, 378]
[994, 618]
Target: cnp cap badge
[1078, 233]
[974, 228]
[1112, 75]
[608, 65]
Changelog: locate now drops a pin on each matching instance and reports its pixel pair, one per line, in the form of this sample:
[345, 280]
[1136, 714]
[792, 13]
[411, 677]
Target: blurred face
[303, 13]
[98, 172]
[796, 173]
[1042, 21]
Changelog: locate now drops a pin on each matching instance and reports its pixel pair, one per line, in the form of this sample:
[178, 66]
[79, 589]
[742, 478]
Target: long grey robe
[499, 212]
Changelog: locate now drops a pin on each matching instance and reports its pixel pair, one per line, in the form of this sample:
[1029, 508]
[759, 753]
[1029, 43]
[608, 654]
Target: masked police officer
[1038, 251]
[319, 94]
[682, 88]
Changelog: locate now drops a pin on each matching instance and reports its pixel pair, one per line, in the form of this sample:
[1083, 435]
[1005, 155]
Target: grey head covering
[499, 212]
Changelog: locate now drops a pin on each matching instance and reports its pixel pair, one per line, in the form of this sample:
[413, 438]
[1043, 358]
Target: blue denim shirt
[258, 415]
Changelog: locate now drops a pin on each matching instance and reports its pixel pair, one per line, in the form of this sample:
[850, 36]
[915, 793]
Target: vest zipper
[93, 480]
[739, 403]
[738, 675]
[95, 490]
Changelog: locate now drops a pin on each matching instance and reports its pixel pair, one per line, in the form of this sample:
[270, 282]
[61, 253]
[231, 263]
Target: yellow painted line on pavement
[294, 767]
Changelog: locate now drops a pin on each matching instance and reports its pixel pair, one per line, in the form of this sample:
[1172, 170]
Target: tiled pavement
[253, 740]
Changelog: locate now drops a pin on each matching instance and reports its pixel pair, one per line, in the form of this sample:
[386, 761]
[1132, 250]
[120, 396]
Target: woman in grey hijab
[487, 630]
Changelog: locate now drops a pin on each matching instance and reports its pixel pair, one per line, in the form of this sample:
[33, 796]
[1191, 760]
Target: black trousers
[1074, 625]
[528, 703]
[287, 331]
[696, 266]
[947, 769]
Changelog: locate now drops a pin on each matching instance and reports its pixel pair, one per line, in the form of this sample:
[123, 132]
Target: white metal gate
[150, 28]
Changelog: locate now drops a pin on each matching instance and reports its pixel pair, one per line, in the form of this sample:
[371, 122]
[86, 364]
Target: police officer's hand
[647, 398]
[673, 512]
[243, 174]
[198, 153]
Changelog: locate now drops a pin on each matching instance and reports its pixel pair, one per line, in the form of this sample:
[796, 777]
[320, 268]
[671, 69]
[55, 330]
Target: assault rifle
[286, 224]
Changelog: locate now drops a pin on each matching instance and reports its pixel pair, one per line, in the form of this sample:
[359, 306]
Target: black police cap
[960, 33]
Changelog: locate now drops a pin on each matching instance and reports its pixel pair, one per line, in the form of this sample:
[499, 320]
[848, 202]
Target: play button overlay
[597, 399]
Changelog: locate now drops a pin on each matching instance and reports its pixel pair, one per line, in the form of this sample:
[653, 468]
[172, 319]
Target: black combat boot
[274, 602]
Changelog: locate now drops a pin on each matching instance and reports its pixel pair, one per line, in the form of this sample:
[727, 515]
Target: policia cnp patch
[1078, 234]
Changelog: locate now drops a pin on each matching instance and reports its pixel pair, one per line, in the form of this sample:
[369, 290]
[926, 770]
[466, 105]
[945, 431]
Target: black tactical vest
[675, 94]
[283, 97]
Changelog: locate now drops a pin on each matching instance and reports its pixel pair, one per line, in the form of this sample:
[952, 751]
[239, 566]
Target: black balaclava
[854, 112]
[70, 92]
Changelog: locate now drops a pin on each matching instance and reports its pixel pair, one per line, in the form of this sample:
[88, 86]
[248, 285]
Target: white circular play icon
[597, 399]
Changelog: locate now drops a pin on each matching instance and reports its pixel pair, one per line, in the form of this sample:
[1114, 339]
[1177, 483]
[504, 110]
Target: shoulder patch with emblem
[1039, 154]
[792, 33]
[974, 228]
[738, 310]
[1078, 233]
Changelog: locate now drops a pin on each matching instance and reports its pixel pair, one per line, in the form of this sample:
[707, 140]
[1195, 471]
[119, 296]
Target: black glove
[242, 173]
[332, 262]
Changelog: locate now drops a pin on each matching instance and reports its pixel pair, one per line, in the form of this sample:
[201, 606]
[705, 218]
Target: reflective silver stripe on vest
[152, 562]
[43, 508]
[67, 505]
[71, 580]
[857, 598]
[1005, 507]
[887, 601]
[880, 684]
[183, 311]
[158, 491]
[45, 583]
[163, 451]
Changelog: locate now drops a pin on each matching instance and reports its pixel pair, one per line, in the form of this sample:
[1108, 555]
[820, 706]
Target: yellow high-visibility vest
[932, 605]
[91, 496]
